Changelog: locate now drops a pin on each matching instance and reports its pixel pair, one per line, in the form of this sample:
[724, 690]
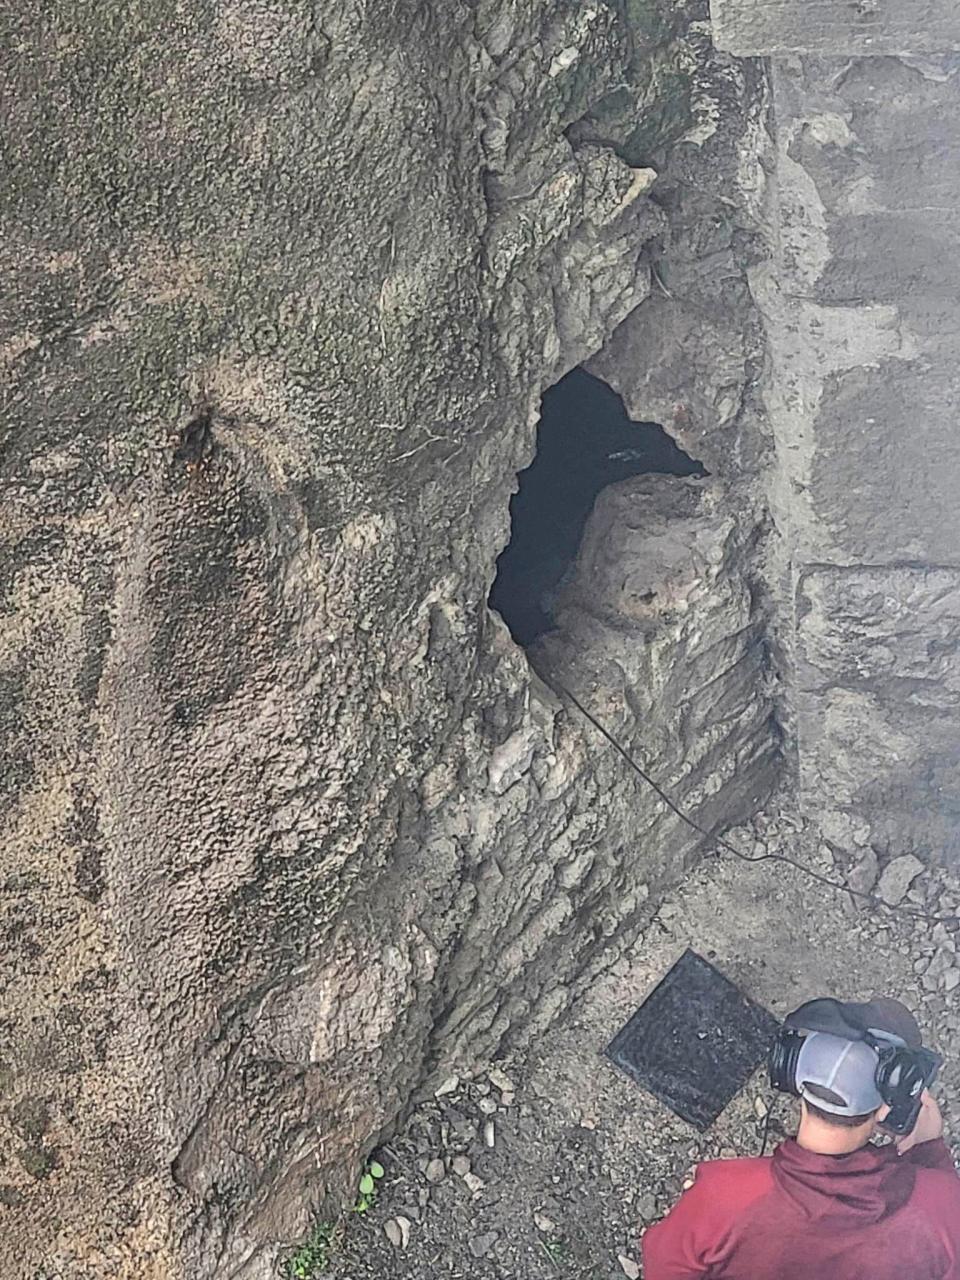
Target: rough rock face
[287, 823]
[860, 309]
[660, 623]
[871, 28]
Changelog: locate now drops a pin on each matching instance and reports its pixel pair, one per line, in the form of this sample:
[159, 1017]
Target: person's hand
[929, 1125]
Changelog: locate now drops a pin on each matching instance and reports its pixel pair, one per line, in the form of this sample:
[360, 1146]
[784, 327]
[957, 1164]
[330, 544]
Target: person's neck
[828, 1139]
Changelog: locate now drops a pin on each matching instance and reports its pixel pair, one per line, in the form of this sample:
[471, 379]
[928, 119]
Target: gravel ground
[551, 1165]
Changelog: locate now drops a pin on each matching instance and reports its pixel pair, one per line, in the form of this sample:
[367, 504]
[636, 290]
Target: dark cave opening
[585, 441]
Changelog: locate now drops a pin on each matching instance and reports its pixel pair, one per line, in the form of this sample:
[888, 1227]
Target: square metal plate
[695, 1041]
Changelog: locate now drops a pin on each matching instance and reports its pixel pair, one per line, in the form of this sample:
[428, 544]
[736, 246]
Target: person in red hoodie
[829, 1204]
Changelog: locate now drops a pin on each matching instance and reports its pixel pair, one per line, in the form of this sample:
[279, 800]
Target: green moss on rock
[38, 1161]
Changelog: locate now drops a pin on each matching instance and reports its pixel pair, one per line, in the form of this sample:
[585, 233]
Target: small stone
[487, 1106]
[507, 1098]
[435, 1171]
[404, 1224]
[862, 876]
[647, 1206]
[760, 1107]
[629, 1268]
[461, 1166]
[393, 1233]
[587, 1122]
[844, 829]
[475, 1184]
[500, 1079]
[543, 1223]
[942, 937]
[450, 1085]
[940, 964]
[897, 878]
[950, 980]
[481, 1245]
[489, 1136]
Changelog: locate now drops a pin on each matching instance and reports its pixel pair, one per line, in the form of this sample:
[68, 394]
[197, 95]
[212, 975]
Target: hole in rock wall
[585, 441]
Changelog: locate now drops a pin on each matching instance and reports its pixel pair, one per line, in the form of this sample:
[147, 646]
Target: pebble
[629, 1268]
[435, 1171]
[500, 1080]
[939, 965]
[475, 1184]
[450, 1085]
[481, 1245]
[950, 980]
[647, 1207]
[862, 876]
[543, 1223]
[944, 938]
[489, 1137]
[487, 1106]
[461, 1166]
[897, 877]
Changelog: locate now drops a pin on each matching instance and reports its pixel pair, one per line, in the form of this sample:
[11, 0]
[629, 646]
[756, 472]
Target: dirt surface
[581, 1157]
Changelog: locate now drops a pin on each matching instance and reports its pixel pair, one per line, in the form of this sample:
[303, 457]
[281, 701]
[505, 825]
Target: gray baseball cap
[843, 1073]
[881, 1017]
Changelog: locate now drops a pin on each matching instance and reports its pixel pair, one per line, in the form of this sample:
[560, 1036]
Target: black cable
[765, 1135]
[722, 843]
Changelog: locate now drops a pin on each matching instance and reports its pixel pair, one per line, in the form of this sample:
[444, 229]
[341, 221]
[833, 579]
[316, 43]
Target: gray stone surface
[835, 27]
[898, 875]
[864, 346]
[289, 829]
[653, 604]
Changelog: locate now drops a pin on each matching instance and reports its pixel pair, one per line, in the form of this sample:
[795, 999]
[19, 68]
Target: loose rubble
[553, 1164]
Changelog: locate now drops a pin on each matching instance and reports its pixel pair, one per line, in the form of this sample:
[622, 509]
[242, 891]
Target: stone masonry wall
[288, 825]
[860, 303]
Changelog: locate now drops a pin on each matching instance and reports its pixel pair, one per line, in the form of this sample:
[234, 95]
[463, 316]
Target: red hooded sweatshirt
[870, 1215]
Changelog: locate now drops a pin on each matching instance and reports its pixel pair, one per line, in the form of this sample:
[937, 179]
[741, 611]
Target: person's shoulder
[742, 1179]
[939, 1187]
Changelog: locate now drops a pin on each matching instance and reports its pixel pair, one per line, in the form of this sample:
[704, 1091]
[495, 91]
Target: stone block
[841, 28]
[893, 632]
[878, 701]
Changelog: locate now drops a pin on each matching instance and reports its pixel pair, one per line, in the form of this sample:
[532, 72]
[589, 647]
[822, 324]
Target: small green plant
[311, 1258]
[556, 1250]
[367, 1190]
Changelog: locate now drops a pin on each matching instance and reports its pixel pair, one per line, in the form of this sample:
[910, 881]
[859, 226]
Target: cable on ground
[722, 843]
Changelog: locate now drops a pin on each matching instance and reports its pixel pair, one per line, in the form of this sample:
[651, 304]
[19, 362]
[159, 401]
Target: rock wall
[288, 824]
[859, 300]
